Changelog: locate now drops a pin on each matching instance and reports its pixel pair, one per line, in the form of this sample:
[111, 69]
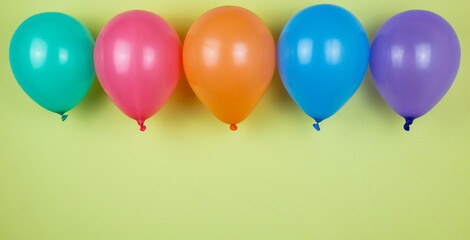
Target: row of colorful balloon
[229, 58]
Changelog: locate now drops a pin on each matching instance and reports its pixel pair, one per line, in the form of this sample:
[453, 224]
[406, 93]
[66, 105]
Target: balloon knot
[316, 126]
[233, 127]
[141, 124]
[63, 117]
[408, 122]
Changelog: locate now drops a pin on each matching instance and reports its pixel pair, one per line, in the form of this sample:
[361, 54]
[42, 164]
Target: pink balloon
[138, 63]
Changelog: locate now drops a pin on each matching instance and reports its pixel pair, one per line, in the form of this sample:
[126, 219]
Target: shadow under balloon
[94, 98]
[371, 94]
[96, 95]
[367, 88]
[280, 96]
[276, 97]
[183, 105]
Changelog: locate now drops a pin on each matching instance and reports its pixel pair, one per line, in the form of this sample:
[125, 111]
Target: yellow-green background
[96, 176]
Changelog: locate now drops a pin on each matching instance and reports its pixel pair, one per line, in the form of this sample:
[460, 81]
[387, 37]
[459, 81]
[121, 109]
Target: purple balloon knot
[408, 122]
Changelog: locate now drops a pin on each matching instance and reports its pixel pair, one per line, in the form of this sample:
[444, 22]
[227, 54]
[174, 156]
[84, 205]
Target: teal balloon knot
[63, 117]
[408, 122]
[316, 126]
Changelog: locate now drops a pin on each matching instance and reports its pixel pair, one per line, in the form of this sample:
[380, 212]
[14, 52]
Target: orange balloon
[229, 59]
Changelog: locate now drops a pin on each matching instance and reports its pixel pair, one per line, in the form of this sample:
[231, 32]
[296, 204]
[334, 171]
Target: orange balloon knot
[233, 127]
[141, 124]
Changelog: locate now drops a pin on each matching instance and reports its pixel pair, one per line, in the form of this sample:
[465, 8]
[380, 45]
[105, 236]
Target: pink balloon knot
[141, 124]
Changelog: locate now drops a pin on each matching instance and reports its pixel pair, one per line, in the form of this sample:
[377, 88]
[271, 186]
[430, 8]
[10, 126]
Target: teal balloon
[51, 56]
[322, 56]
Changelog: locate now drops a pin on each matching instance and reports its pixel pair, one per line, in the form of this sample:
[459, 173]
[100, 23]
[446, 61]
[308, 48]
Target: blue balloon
[323, 53]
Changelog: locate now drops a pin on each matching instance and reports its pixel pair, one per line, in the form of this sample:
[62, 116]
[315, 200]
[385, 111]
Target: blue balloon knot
[316, 126]
[63, 117]
[408, 122]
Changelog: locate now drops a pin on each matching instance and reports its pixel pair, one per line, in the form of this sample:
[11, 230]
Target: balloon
[323, 54]
[51, 56]
[229, 60]
[138, 63]
[414, 58]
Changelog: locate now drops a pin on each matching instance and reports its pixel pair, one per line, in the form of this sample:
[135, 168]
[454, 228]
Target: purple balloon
[414, 58]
